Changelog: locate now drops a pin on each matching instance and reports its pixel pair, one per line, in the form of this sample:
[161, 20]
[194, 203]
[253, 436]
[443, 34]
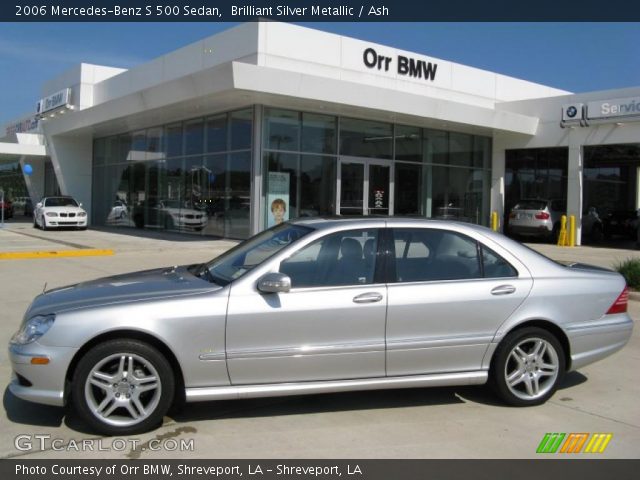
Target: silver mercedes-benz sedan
[320, 305]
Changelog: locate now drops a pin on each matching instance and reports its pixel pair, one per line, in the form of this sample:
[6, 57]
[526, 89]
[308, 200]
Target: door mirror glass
[274, 283]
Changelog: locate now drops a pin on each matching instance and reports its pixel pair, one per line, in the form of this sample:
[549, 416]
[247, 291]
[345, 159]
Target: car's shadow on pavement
[20, 411]
[28, 413]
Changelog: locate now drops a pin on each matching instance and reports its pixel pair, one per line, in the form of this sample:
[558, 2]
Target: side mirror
[80, 204]
[274, 283]
[39, 205]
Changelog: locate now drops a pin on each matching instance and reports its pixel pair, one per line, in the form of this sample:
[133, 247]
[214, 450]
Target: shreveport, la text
[212, 470]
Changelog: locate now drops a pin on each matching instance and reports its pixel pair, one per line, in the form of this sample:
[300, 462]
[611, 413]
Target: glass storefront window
[460, 149]
[408, 191]
[241, 123]
[460, 194]
[216, 130]
[282, 129]
[173, 137]
[186, 191]
[364, 138]
[194, 137]
[112, 151]
[408, 143]
[317, 185]
[318, 133]
[436, 147]
[154, 144]
[124, 146]
[99, 152]
[138, 146]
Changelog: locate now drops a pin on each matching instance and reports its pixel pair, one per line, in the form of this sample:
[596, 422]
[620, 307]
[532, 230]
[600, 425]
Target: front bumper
[65, 222]
[40, 383]
[595, 340]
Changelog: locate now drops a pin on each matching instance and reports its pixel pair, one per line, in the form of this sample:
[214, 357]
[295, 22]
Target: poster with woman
[277, 198]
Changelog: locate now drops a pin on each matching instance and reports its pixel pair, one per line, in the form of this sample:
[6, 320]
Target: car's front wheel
[528, 366]
[123, 387]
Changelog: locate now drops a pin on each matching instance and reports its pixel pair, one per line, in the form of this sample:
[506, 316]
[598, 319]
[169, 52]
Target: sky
[577, 57]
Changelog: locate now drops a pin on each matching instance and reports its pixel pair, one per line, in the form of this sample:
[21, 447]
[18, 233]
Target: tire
[35, 224]
[44, 224]
[527, 367]
[106, 397]
[168, 223]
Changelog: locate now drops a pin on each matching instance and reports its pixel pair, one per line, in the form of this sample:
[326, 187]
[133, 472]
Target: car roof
[374, 220]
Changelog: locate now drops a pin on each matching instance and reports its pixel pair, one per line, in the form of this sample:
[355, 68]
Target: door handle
[370, 297]
[503, 290]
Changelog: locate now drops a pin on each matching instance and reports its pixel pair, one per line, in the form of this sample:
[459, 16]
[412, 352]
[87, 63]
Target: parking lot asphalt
[464, 422]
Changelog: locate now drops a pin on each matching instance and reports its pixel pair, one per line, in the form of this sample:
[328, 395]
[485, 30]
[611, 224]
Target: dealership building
[226, 136]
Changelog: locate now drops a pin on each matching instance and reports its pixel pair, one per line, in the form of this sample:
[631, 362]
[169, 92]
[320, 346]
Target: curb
[89, 252]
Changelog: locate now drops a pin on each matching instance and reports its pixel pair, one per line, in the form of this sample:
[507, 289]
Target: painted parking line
[89, 252]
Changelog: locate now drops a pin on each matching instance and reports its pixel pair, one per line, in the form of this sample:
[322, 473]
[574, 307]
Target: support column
[72, 159]
[35, 181]
[497, 180]
[574, 187]
[257, 204]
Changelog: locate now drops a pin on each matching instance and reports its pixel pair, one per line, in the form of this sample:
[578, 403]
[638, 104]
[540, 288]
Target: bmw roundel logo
[572, 111]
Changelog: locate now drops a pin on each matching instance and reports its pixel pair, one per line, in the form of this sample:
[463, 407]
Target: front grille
[63, 214]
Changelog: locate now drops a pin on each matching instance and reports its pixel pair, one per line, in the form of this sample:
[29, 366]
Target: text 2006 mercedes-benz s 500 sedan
[320, 305]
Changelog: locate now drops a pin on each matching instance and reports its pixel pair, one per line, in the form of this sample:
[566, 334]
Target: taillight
[542, 216]
[620, 305]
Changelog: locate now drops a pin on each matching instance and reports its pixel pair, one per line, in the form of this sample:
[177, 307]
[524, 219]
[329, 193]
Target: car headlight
[33, 329]
[51, 214]
[82, 214]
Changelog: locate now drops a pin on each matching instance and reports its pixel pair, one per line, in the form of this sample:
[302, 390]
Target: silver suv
[536, 218]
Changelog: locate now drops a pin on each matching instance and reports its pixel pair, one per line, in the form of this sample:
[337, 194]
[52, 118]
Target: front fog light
[33, 329]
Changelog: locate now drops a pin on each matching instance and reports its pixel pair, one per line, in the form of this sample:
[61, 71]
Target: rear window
[530, 205]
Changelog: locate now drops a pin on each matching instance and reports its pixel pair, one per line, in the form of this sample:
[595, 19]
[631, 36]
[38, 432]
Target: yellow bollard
[562, 236]
[572, 231]
[494, 221]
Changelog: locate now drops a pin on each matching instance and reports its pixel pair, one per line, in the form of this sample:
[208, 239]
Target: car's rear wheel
[123, 387]
[528, 366]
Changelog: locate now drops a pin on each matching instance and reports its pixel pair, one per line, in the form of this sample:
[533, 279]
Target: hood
[130, 287]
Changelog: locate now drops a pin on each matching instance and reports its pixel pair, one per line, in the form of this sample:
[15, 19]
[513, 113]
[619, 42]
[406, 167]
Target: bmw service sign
[572, 112]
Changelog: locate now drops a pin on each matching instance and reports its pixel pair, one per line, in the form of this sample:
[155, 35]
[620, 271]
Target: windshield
[60, 202]
[242, 258]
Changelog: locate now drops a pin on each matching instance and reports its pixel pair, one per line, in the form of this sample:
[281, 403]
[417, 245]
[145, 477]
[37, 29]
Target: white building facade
[269, 121]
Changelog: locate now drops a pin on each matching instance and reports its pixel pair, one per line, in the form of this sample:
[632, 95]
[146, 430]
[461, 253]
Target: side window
[342, 258]
[495, 266]
[429, 254]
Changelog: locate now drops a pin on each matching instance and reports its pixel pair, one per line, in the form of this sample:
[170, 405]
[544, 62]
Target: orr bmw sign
[410, 67]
